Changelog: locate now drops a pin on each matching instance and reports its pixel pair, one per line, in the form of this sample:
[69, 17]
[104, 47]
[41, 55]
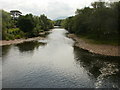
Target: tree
[15, 13]
[26, 23]
[6, 23]
[100, 22]
[98, 5]
[68, 24]
[0, 24]
[45, 23]
[58, 22]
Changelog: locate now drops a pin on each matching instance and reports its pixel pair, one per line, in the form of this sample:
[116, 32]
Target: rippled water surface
[56, 63]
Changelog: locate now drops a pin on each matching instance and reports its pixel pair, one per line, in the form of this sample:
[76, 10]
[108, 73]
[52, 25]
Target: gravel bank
[108, 50]
[16, 41]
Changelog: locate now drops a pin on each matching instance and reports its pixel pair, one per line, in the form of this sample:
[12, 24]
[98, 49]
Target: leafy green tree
[7, 23]
[45, 23]
[58, 22]
[0, 24]
[68, 24]
[6, 20]
[101, 22]
[15, 13]
[26, 23]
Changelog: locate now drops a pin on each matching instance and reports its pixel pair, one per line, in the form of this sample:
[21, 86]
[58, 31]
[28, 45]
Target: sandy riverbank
[16, 41]
[108, 50]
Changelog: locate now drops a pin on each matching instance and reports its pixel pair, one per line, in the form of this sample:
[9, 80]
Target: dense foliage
[58, 22]
[23, 26]
[99, 22]
[45, 23]
[0, 25]
[26, 23]
[7, 23]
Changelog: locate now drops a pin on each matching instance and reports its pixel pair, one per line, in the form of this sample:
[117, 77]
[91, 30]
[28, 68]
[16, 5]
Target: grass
[93, 40]
[14, 33]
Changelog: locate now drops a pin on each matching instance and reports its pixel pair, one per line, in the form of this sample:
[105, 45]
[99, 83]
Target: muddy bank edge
[108, 50]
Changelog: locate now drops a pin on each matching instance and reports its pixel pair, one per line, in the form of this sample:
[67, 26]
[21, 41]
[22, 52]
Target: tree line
[58, 22]
[16, 26]
[99, 22]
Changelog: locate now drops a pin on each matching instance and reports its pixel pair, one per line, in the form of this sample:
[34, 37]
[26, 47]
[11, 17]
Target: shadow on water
[57, 64]
[5, 50]
[22, 47]
[29, 46]
[105, 69]
[0, 51]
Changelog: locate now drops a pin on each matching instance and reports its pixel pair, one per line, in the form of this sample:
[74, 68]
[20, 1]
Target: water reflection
[5, 50]
[26, 47]
[57, 65]
[0, 51]
[105, 70]
[29, 46]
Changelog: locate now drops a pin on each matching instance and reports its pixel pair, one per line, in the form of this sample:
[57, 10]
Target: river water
[56, 63]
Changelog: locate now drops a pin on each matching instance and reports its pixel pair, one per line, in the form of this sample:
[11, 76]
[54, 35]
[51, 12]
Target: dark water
[56, 63]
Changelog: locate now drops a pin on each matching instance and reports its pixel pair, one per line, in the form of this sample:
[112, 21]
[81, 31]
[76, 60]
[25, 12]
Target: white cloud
[58, 9]
[52, 8]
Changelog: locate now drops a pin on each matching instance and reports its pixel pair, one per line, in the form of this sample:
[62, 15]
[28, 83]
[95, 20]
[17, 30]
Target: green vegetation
[98, 23]
[14, 33]
[0, 25]
[58, 22]
[7, 23]
[23, 26]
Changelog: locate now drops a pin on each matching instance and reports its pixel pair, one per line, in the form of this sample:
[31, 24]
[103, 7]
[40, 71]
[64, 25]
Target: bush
[28, 26]
[26, 23]
[98, 23]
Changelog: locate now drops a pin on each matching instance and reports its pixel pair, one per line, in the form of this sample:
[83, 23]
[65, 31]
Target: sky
[51, 8]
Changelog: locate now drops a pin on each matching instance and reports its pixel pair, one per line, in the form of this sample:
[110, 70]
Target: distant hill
[63, 17]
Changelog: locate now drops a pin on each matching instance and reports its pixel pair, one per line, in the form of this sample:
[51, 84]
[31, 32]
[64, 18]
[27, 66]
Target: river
[56, 63]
